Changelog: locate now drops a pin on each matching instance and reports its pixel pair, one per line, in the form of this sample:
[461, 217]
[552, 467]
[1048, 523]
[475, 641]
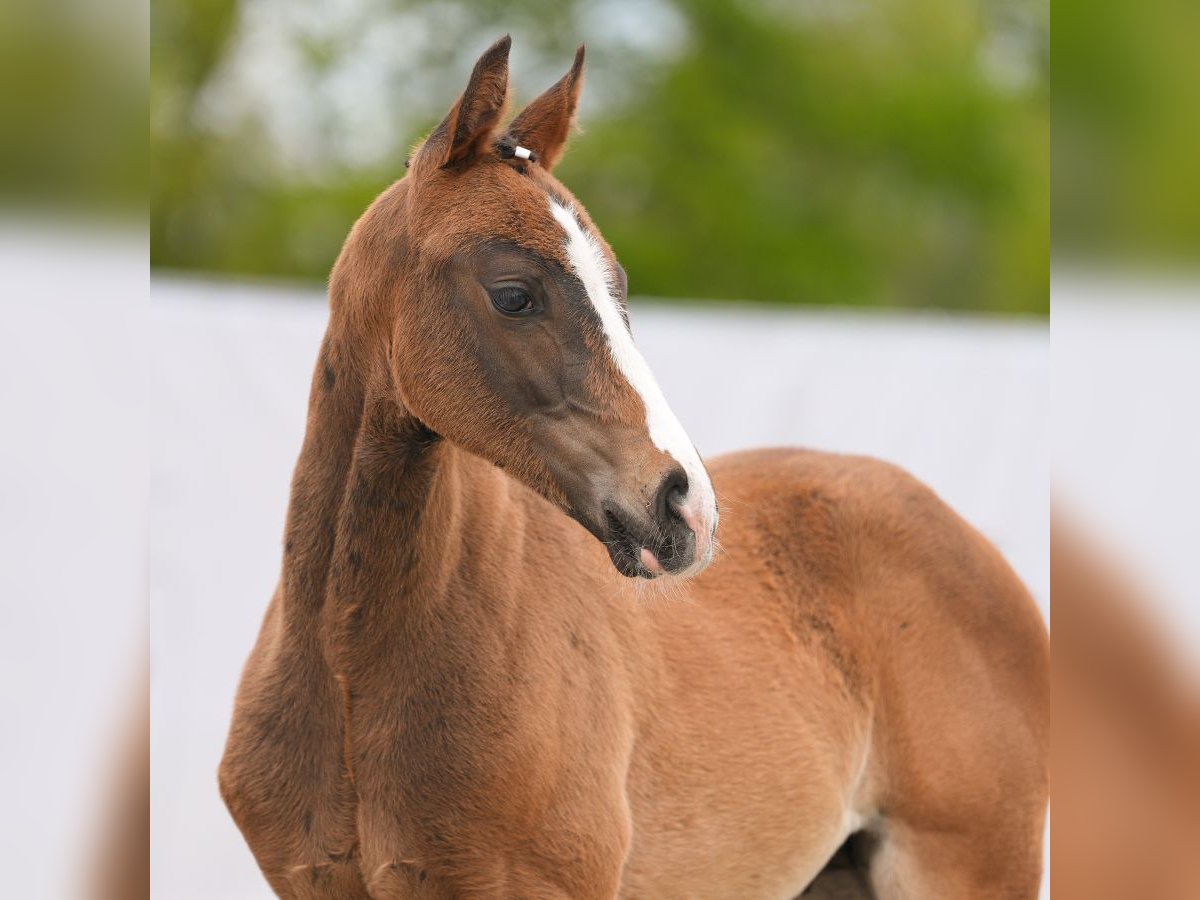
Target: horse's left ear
[473, 121]
[543, 126]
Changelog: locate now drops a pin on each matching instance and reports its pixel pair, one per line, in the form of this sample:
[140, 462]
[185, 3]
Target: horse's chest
[477, 763]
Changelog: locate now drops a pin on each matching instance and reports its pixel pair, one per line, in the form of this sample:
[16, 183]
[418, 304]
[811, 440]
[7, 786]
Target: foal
[457, 692]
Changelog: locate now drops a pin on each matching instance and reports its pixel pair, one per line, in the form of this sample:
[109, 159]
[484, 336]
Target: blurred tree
[73, 108]
[894, 152]
[801, 157]
[1126, 132]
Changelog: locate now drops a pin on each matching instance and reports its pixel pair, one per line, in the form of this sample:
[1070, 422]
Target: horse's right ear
[543, 126]
[473, 121]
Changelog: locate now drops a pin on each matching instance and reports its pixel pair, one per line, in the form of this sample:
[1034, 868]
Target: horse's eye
[512, 301]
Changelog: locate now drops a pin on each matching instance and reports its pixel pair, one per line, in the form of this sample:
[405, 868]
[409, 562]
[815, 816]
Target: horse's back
[871, 533]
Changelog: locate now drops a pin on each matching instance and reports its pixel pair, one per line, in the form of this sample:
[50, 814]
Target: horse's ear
[543, 126]
[473, 120]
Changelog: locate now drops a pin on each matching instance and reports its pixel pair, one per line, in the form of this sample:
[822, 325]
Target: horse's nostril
[672, 494]
[675, 499]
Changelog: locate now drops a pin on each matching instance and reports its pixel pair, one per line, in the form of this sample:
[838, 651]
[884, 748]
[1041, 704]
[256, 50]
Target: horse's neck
[378, 520]
[335, 414]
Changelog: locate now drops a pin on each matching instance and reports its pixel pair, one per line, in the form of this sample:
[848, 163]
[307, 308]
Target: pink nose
[684, 515]
[694, 513]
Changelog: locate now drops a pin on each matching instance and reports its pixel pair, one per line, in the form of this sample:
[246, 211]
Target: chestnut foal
[454, 695]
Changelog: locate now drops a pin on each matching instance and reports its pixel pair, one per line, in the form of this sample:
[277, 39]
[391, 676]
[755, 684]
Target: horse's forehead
[514, 208]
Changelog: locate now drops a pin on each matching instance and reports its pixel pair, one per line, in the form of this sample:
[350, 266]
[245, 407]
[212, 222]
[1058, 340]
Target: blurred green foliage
[893, 152]
[1126, 157]
[73, 109]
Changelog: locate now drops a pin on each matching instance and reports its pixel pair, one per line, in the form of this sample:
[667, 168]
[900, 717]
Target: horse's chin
[628, 562]
[629, 548]
[635, 560]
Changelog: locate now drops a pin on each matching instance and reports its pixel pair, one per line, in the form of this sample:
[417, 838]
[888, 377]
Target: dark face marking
[549, 368]
[545, 399]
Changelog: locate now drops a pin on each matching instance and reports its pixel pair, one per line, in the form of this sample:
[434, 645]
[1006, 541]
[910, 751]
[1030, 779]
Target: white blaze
[587, 259]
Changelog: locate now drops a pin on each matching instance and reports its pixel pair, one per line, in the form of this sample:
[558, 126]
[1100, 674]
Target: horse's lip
[623, 548]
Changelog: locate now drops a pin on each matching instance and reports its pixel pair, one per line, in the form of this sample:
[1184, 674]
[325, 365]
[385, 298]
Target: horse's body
[455, 694]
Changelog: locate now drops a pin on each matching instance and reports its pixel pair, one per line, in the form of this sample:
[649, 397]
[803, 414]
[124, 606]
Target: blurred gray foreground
[961, 402]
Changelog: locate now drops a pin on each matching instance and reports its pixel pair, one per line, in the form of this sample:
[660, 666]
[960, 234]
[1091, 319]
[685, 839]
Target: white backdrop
[961, 402]
[73, 489]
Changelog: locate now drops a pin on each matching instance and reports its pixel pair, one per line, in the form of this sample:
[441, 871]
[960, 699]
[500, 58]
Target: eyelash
[506, 300]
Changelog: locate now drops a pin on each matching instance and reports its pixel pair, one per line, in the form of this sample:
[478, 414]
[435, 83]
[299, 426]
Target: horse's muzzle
[660, 540]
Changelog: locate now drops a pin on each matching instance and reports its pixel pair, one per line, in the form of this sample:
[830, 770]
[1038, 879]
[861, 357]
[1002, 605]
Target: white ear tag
[522, 152]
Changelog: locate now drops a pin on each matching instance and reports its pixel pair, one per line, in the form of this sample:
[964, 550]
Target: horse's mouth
[624, 548]
[653, 555]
